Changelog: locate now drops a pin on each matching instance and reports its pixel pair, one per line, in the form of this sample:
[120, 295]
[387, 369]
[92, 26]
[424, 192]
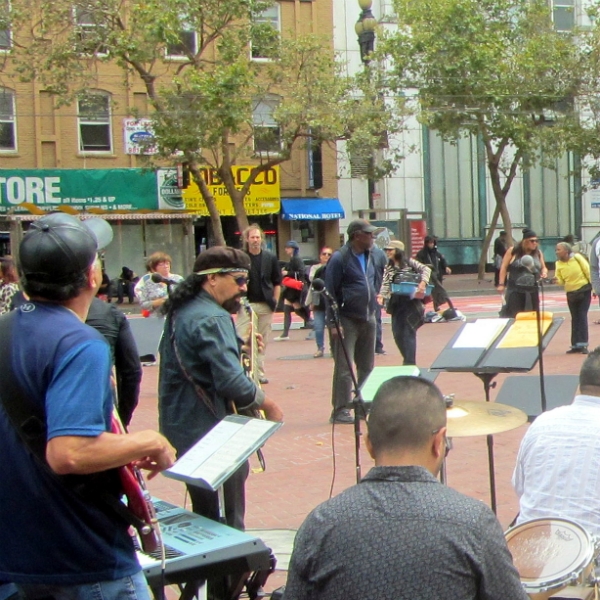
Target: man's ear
[438, 444]
[369, 445]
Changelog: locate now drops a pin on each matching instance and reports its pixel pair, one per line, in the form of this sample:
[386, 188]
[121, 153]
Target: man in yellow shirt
[572, 271]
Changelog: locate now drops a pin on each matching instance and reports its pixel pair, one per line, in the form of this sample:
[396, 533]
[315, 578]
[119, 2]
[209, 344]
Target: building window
[89, 34]
[563, 14]
[267, 133]
[93, 112]
[8, 125]
[186, 45]
[265, 33]
[5, 40]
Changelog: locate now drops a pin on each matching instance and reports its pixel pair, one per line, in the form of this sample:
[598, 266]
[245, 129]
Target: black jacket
[113, 325]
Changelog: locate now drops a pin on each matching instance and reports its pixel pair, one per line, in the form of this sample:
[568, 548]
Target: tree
[498, 70]
[216, 105]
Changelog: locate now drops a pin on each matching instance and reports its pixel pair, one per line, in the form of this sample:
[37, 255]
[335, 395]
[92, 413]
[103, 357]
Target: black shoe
[262, 380]
[577, 350]
[341, 417]
[380, 351]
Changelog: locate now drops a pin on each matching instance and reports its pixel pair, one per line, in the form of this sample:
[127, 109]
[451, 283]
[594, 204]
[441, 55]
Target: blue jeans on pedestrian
[127, 588]
[319, 328]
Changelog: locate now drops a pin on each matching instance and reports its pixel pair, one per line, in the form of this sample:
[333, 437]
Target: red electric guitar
[139, 502]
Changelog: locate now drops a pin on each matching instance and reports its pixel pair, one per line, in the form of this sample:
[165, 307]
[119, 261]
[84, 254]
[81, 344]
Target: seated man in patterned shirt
[400, 533]
[559, 458]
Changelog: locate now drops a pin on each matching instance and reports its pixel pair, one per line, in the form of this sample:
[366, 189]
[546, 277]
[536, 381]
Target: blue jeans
[319, 328]
[127, 588]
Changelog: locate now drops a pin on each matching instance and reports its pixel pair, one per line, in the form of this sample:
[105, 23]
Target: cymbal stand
[486, 378]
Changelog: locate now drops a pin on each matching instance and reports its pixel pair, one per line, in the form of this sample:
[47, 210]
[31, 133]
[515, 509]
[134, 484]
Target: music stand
[482, 354]
[524, 392]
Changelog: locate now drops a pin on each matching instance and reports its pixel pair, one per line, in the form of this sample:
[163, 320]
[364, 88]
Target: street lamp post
[365, 29]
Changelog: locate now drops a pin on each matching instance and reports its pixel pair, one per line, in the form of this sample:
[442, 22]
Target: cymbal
[482, 418]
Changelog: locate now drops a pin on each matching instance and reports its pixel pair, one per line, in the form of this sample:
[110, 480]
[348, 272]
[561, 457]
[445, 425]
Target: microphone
[158, 278]
[319, 286]
[529, 264]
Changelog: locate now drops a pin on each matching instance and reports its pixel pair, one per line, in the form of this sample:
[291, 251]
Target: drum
[550, 554]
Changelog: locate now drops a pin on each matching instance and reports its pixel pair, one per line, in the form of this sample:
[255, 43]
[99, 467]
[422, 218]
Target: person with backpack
[572, 271]
[353, 282]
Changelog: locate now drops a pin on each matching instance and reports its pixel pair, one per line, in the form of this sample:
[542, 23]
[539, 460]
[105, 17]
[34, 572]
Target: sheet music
[222, 450]
[480, 334]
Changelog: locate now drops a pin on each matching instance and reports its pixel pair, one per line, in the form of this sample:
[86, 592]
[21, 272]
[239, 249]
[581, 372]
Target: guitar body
[139, 501]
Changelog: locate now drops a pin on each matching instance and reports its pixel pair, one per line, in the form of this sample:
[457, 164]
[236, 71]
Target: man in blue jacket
[353, 281]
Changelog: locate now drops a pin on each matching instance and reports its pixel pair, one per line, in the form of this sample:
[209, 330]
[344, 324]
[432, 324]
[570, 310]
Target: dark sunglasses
[534, 240]
[240, 280]
[325, 253]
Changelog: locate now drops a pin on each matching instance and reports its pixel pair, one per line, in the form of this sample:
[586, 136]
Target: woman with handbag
[293, 284]
[407, 311]
[572, 271]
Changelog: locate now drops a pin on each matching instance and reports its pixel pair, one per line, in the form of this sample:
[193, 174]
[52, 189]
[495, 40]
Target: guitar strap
[200, 391]
[29, 422]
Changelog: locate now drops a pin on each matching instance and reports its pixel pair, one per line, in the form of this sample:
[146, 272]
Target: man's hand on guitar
[272, 410]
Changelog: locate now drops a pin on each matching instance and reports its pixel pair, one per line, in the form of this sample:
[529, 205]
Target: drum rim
[539, 585]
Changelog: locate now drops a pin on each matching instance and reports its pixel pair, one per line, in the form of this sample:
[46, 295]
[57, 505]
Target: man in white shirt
[558, 466]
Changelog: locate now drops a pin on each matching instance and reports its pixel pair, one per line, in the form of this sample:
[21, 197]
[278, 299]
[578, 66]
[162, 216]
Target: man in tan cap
[200, 368]
[353, 281]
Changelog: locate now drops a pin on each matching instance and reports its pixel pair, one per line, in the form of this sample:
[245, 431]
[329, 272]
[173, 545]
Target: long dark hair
[185, 291]
[519, 251]
[398, 257]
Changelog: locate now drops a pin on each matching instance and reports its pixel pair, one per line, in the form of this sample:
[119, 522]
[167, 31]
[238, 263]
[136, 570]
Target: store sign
[81, 189]
[138, 136]
[169, 194]
[263, 197]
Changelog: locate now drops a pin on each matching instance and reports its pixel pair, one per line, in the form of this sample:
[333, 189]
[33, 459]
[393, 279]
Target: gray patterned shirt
[401, 534]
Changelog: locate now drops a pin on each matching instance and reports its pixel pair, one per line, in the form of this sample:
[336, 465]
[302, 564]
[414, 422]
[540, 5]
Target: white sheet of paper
[480, 334]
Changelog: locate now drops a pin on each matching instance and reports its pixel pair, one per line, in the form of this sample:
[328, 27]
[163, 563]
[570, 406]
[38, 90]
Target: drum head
[548, 553]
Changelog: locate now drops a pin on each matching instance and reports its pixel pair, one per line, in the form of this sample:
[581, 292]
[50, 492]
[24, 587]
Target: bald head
[589, 376]
[406, 412]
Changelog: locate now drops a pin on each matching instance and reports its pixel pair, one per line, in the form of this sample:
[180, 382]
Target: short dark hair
[589, 376]
[405, 413]
[55, 292]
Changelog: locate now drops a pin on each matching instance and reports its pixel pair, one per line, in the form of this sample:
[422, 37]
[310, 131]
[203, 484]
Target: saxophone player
[200, 368]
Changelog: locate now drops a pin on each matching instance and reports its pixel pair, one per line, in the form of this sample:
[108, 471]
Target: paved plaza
[307, 460]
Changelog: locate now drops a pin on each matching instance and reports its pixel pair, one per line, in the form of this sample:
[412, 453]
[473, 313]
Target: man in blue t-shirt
[64, 542]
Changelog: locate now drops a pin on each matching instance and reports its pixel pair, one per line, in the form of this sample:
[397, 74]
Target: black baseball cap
[58, 247]
[360, 225]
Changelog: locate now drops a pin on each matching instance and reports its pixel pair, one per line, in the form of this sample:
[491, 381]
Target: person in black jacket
[292, 298]
[353, 281]
[430, 255]
[113, 325]
[264, 287]
[500, 247]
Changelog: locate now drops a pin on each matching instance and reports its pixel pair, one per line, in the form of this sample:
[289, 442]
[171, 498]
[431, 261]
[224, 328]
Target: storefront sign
[263, 197]
[81, 189]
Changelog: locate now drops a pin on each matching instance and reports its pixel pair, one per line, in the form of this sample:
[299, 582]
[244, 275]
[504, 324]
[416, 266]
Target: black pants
[578, 307]
[206, 503]
[407, 317]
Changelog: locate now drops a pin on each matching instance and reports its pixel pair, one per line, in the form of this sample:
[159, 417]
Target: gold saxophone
[249, 356]
[249, 359]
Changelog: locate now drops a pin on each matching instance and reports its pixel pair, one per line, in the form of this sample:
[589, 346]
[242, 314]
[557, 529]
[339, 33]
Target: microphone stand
[358, 403]
[538, 315]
